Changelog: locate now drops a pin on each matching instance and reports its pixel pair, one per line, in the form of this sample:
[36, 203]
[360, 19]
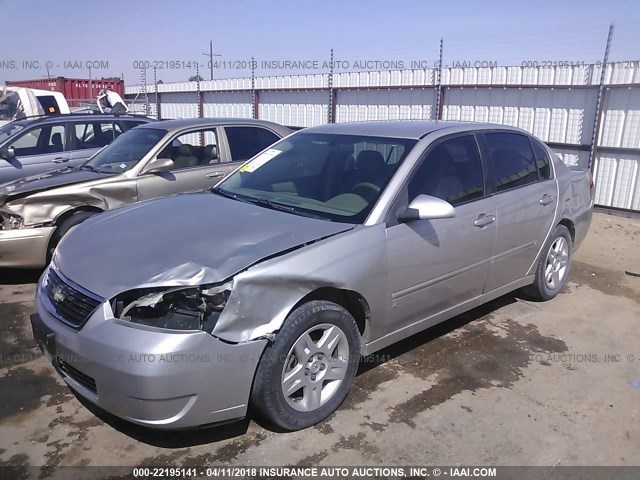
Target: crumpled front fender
[265, 294]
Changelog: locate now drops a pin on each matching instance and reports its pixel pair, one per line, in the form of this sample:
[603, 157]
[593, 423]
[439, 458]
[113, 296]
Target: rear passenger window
[452, 171]
[245, 142]
[124, 125]
[542, 160]
[512, 159]
[93, 134]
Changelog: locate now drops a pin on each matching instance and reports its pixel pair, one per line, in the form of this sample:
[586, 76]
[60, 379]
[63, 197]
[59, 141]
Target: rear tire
[306, 373]
[553, 266]
[64, 227]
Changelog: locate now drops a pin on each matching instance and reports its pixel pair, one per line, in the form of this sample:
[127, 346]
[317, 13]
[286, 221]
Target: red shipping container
[75, 90]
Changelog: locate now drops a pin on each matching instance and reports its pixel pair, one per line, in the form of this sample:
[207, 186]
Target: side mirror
[7, 153]
[426, 207]
[159, 165]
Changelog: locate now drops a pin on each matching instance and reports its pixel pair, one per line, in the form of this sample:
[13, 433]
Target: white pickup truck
[17, 103]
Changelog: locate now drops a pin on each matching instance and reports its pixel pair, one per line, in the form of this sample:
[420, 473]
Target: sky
[119, 37]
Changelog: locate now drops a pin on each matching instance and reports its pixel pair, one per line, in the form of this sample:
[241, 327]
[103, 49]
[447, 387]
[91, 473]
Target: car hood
[188, 239]
[45, 181]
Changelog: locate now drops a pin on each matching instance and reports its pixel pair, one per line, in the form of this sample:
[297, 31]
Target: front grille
[75, 374]
[71, 305]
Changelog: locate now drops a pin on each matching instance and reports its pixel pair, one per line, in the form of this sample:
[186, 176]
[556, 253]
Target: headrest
[184, 150]
[370, 161]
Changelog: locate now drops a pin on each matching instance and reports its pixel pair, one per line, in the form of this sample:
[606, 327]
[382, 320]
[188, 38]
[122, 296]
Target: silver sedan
[333, 243]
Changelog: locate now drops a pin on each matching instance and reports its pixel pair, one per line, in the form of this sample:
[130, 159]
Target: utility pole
[211, 55]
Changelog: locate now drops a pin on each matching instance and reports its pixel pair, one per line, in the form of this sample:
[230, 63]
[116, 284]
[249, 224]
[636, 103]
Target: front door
[435, 265]
[197, 165]
[37, 150]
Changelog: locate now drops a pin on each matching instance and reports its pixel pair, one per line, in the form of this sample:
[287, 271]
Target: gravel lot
[510, 383]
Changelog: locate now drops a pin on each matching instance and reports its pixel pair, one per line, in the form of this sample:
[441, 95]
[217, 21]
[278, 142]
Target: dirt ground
[510, 383]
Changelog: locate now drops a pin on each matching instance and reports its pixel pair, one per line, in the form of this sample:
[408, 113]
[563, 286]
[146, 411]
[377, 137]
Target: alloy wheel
[315, 367]
[557, 263]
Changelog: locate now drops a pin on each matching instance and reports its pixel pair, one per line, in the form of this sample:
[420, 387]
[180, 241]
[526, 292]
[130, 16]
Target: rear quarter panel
[575, 202]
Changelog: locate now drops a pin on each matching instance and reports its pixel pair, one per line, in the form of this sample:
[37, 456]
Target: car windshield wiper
[265, 202]
[88, 167]
[224, 193]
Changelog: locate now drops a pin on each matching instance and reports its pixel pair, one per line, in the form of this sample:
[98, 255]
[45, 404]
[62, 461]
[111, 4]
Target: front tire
[62, 229]
[306, 373]
[553, 266]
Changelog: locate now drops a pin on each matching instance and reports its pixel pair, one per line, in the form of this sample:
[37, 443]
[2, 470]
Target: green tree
[196, 78]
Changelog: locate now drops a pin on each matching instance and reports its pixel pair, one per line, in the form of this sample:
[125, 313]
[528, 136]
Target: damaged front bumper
[148, 376]
[24, 247]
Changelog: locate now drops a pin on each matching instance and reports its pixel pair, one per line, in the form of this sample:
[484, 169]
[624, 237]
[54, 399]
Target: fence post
[143, 77]
[331, 118]
[157, 95]
[254, 93]
[199, 93]
[439, 92]
[599, 103]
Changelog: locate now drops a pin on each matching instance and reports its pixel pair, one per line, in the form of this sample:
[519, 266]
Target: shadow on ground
[419, 339]
[19, 276]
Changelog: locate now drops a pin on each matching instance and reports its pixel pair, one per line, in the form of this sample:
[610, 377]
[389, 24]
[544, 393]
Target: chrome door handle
[60, 160]
[484, 220]
[546, 199]
[215, 175]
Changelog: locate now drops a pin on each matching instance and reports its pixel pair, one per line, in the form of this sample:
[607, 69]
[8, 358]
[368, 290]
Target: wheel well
[71, 212]
[352, 301]
[570, 226]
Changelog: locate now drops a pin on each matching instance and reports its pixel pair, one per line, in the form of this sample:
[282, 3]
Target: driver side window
[452, 171]
[40, 141]
[194, 149]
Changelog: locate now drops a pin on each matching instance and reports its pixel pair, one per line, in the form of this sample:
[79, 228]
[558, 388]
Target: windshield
[333, 177]
[9, 129]
[126, 151]
[11, 107]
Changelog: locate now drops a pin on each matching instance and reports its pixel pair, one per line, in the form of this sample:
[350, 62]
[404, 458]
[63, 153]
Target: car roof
[414, 129]
[79, 117]
[180, 123]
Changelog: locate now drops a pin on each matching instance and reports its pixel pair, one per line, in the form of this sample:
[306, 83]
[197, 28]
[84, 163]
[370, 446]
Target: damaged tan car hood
[188, 239]
[47, 181]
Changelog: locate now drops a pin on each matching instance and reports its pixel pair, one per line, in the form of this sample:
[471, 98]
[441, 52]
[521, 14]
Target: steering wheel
[371, 190]
[368, 185]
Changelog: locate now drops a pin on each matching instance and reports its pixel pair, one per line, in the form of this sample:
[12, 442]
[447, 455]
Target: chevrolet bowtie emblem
[58, 295]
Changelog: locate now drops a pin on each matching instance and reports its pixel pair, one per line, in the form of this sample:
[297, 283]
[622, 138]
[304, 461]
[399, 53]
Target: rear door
[435, 265]
[37, 150]
[526, 199]
[197, 165]
[244, 141]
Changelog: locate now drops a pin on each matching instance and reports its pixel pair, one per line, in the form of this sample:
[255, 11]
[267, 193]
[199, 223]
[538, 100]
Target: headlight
[175, 308]
[11, 222]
